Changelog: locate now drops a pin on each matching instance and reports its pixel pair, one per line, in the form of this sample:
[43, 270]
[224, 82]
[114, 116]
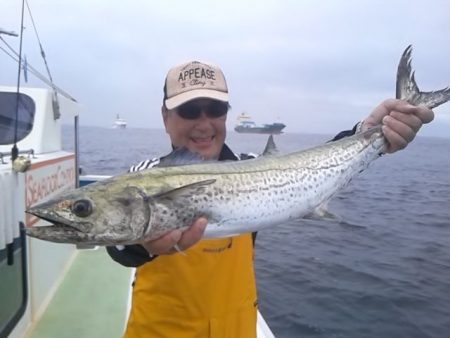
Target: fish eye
[82, 208]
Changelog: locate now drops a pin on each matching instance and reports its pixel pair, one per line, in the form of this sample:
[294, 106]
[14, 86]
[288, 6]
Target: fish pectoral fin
[322, 213]
[185, 191]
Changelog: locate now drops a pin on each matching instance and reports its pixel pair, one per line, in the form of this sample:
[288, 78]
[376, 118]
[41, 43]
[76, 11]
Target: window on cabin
[13, 121]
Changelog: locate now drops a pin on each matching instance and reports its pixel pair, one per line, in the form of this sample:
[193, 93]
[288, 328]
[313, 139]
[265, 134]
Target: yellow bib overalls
[207, 291]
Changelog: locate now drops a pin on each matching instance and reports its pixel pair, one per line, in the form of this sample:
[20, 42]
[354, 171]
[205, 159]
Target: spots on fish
[259, 195]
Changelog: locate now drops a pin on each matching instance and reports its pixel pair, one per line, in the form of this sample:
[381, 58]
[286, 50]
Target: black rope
[40, 45]
[15, 150]
[56, 112]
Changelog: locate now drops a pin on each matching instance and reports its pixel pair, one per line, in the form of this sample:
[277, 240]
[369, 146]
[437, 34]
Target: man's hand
[176, 239]
[400, 121]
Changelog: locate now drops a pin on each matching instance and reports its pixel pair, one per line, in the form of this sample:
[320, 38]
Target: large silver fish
[236, 197]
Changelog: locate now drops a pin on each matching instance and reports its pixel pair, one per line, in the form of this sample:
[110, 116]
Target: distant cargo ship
[119, 123]
[245, 124]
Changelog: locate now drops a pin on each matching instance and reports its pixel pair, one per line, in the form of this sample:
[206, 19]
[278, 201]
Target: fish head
[98, 214]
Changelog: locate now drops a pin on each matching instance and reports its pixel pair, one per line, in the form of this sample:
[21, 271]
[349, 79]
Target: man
[188, 287]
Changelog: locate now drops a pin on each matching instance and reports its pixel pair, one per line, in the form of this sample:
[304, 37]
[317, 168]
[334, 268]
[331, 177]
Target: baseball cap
[194, 80]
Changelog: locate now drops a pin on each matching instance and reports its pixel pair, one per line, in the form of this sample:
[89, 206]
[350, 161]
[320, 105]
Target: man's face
[198, 125]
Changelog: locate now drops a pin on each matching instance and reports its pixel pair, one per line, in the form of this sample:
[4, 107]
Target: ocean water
[382, 270]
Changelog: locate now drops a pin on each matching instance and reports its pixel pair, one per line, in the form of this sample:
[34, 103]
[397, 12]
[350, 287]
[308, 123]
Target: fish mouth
[51, 219]
[58, 225]
[61, 231]
[58, 231]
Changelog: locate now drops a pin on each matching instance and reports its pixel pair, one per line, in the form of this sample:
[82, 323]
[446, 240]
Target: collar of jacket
[226, 154]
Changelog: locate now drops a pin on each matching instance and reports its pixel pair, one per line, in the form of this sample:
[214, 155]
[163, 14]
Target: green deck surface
[91, 301]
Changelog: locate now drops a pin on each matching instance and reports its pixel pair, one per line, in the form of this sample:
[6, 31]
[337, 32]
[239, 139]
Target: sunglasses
[192, 110]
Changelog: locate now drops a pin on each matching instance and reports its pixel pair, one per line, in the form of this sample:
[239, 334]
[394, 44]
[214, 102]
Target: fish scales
[252, 196]
[235, 196]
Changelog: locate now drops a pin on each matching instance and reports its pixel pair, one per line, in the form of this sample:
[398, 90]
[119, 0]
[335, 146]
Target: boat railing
[4, 154]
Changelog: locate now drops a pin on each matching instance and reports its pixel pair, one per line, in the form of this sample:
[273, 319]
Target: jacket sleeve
[130, 255]
[346, 133]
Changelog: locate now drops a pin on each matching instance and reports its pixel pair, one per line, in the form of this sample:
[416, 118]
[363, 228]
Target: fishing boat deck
[91, 300]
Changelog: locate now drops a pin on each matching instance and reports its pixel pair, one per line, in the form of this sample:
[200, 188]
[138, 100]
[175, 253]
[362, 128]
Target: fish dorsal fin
[181, 156]
[185, 191]
[271, 148]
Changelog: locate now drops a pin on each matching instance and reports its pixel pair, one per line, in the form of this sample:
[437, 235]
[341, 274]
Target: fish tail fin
[407, 89]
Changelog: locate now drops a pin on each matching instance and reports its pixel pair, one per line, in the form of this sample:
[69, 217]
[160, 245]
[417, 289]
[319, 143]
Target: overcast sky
[317, 66]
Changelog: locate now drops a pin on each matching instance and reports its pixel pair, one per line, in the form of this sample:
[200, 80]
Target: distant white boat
[119, 123]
